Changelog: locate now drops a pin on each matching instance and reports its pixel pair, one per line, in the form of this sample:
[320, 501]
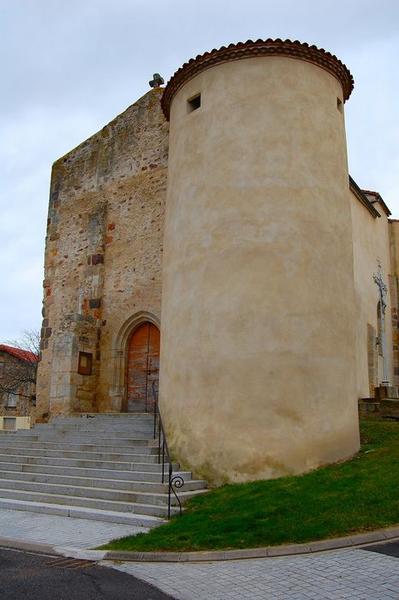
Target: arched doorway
[142, 368]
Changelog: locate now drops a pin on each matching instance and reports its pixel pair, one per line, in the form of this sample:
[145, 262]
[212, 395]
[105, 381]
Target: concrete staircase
[95, 466]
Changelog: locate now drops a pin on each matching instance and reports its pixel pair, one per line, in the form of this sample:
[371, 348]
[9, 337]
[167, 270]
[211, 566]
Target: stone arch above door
[119, 355]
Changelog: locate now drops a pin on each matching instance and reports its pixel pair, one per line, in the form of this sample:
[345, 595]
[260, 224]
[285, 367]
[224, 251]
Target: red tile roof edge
[19, 353]
[378, 198]
[249, 49]
[361, 196]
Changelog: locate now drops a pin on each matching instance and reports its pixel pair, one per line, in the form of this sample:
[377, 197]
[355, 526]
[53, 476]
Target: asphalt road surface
[25, 576]
[388, 548]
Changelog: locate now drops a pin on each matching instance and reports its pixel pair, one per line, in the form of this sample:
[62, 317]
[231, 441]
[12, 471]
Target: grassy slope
[358, 495]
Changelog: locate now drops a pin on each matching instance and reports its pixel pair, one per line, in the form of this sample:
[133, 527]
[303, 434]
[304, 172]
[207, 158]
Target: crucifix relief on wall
[383, 292]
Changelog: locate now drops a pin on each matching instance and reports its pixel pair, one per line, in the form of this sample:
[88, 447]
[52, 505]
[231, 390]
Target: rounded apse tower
[257, 335]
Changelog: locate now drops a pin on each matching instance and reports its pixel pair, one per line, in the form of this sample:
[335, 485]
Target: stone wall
[103, 257]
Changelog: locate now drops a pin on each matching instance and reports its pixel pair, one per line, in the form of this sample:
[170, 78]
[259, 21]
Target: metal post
[159, 442]
[163, 461]
[384, 351]
[169, 489]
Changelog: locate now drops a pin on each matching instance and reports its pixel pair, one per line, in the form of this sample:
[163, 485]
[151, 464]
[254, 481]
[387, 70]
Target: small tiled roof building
[17, 381]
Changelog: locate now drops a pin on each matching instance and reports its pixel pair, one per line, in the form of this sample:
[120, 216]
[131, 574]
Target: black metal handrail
[174, 481]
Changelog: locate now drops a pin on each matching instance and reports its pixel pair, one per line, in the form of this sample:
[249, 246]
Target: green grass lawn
[358, 495]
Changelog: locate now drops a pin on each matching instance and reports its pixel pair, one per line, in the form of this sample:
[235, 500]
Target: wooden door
[142, 371]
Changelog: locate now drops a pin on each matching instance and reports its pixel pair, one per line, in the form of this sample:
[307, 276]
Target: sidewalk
[336, 575]
[59, 532]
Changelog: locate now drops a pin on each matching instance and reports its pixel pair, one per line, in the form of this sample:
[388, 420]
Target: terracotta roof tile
[377, 198]
[362, 197]
[249, 49]
[19, 353]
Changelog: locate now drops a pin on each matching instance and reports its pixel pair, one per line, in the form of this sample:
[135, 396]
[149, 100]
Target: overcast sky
[68, 67]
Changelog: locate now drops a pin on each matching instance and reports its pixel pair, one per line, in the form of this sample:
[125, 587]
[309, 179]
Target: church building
[209, 246]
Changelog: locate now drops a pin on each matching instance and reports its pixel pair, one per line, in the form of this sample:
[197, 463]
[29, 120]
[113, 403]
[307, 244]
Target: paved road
[32, 577]
[390, 549]
[349, 574]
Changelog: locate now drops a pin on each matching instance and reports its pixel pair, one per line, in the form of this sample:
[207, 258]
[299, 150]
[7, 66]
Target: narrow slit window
[194, 103]
[340, 105]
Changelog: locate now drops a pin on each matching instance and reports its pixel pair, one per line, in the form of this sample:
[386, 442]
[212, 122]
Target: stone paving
[339, 575]
[60, 531]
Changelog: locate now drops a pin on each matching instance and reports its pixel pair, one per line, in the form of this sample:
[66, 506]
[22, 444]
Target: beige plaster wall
[20, 422]
[103, 257]
[258, 366]
[371, 245]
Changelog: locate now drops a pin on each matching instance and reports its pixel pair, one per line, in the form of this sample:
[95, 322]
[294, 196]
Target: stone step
[19, 434]
[132, 485]
[98, 493]
[116, 425]
[139, 421]
[91, 438]
[96, 439]
[137, 433]
[98, 433]
[139, 418]
[129, 476]
[105, 466]
[139, 446]
[74, 462]
[11, 433]
[112, 416]
[80, 512]
[94, 503]
[142, 454]
[98, 424]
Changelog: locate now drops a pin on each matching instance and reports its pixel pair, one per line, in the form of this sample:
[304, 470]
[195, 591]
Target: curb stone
[80, 553]
[361, 539]
[357, 540]
[36, 547]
